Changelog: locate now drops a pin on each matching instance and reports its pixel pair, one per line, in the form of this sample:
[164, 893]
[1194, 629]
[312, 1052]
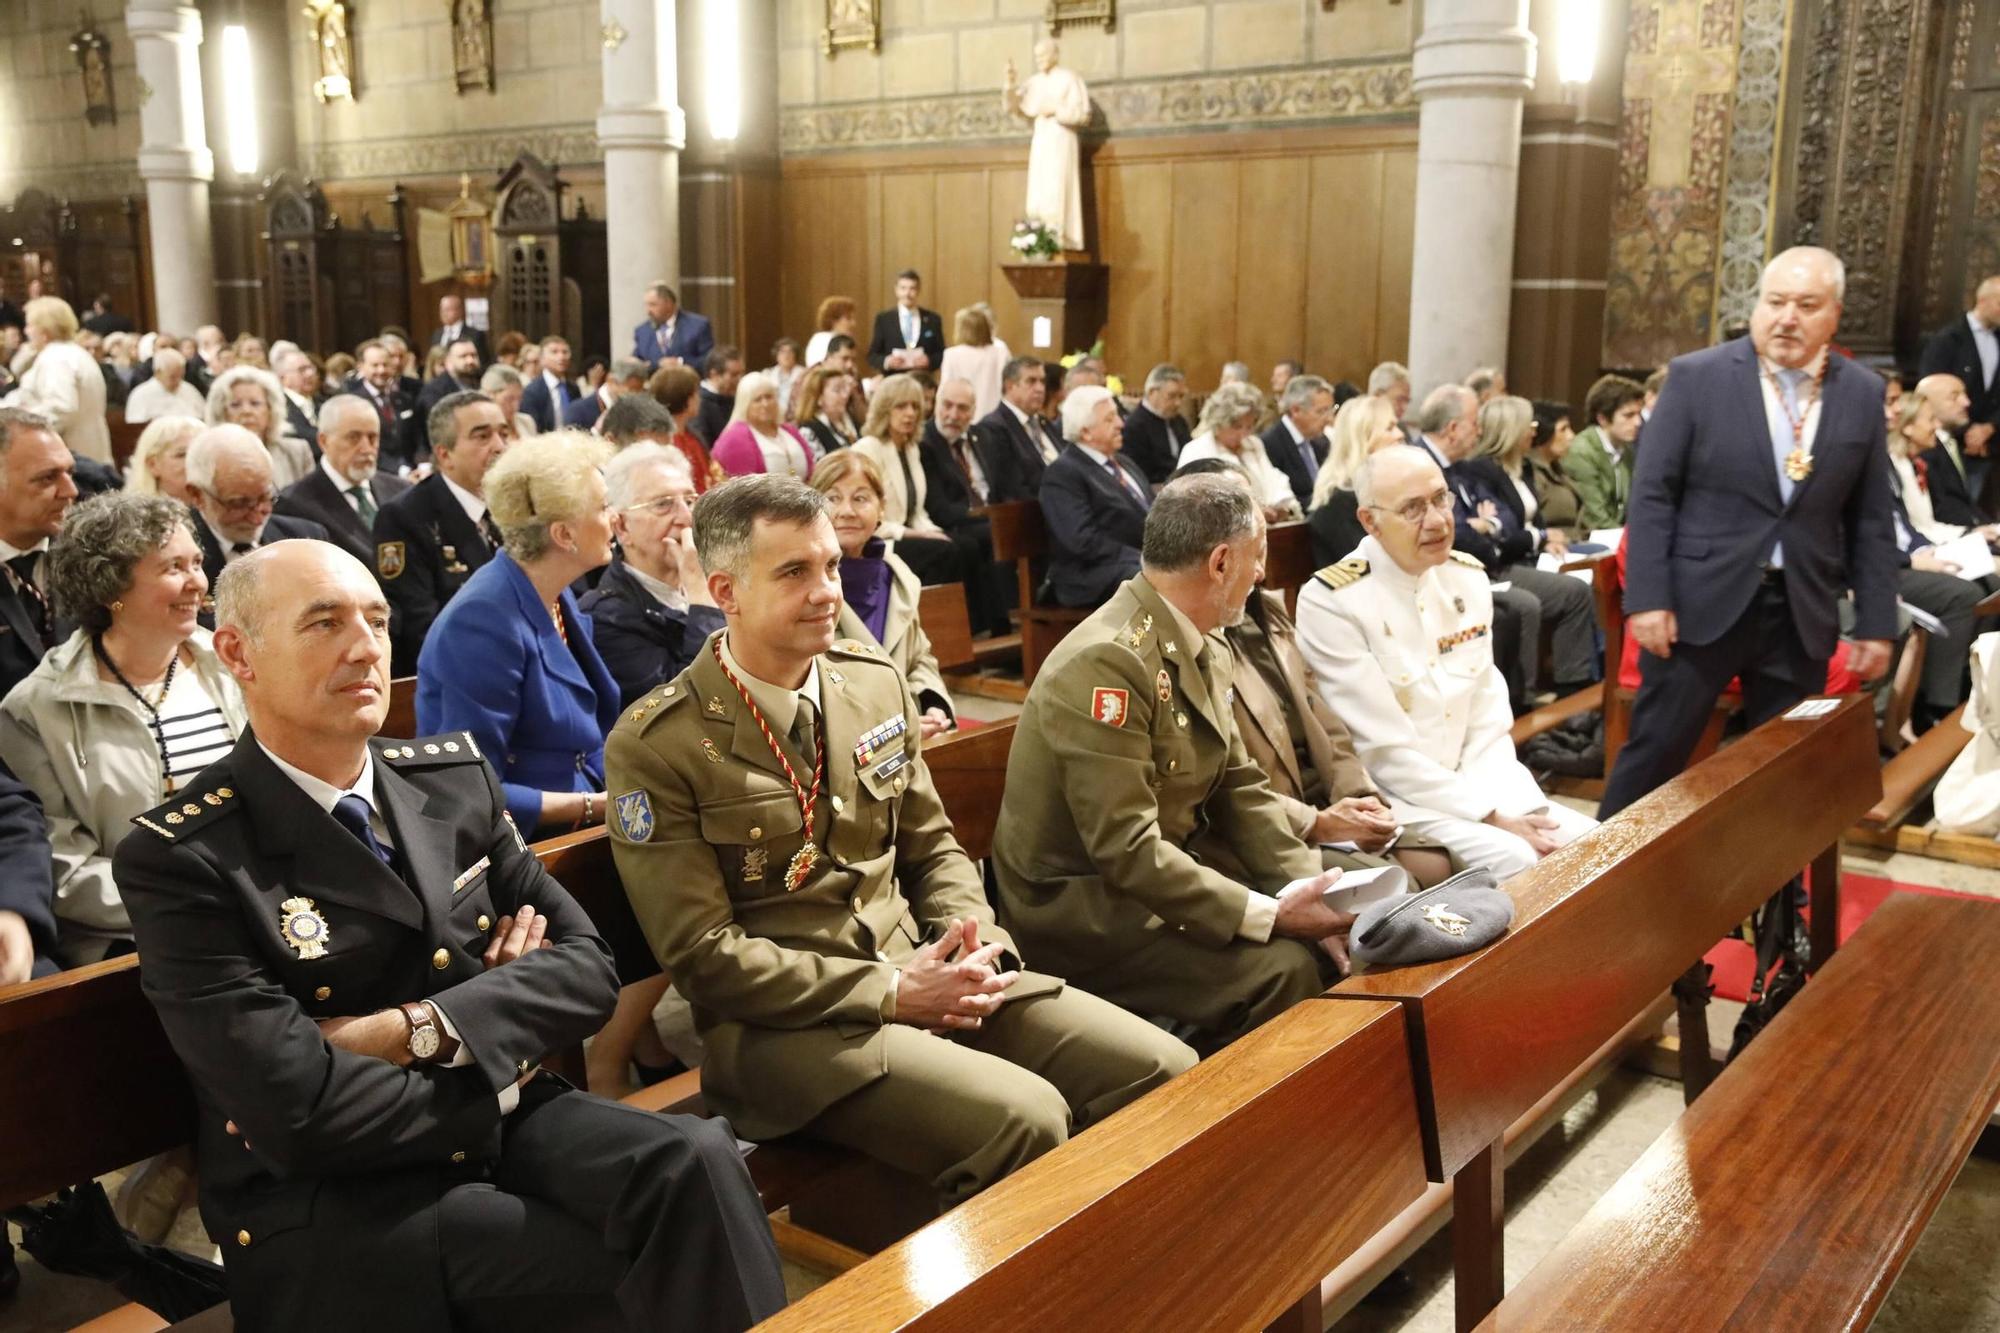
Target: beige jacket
[87, 750]
[903, 639]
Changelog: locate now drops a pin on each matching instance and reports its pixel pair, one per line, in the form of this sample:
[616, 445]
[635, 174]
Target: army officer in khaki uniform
[1126, 759]
[788, 858]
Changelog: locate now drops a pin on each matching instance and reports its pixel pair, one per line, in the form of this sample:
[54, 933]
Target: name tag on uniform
[877, 738]
[891, 765]
[470, 873]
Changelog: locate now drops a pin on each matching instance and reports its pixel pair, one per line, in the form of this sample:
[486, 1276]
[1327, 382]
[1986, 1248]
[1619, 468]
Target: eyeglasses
[665, 504]
[1413, 511]
[242, 504]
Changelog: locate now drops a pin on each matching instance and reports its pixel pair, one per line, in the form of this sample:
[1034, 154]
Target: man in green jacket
[1600, 462]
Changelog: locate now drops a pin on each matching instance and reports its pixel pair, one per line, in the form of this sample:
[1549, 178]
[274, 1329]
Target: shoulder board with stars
[456, 747]
[856, 648]
[1349, 571]
[188, 811]
[1460, 557]
[1134, 634]
[656, 703]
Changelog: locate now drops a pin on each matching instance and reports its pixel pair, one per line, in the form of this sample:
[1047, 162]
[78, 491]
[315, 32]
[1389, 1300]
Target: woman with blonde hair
[65, 383]
[892, 439]
[253, 399]
[976, 356]
[158, 465]
[756, 438]
[1228, 430]
[1362, 426]
[819, 406]
[879, 592]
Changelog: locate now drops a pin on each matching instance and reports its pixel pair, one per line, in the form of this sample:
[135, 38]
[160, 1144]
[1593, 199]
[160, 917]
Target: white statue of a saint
[1056, 101]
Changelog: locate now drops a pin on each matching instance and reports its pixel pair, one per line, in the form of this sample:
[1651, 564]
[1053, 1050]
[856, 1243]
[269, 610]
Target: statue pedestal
[1068, 293]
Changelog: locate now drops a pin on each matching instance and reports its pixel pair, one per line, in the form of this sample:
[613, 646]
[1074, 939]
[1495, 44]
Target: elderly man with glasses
[1399, 640]
[231, 490]
[651, 612]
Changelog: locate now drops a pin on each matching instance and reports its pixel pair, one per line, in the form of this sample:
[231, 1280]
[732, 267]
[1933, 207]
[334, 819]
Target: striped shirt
[197, 733]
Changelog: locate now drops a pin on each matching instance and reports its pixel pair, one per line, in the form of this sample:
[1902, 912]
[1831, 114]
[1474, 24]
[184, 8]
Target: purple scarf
[865, 581]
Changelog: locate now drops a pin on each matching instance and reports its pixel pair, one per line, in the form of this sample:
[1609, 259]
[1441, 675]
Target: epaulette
[1472, 560]
[1340, 575]
[454, 747]
[856, 648]
[657, 702]
[1137, 630]
[187, 812]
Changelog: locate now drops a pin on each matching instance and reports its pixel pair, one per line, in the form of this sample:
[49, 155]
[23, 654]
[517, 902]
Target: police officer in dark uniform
[361, 965]
[430, 539]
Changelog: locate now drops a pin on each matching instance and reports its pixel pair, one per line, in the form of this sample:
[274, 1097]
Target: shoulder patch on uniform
[190, 809]
[1471, 560]
[633, 815]
[389, 559]
[1110, 705]
[1340, 575]
[454, 747]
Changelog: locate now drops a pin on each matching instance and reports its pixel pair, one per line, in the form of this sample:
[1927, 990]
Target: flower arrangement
[1111, 382]
[1034, 240]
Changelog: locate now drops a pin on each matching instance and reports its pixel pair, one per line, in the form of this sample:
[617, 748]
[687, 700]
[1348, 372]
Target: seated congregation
[387, 755]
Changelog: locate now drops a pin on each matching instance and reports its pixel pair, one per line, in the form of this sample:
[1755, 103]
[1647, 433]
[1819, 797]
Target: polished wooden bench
[1021, 536]
[1215, 1202]
[947, 624]
[1288, 561]
[1603, 928]
[401, 719]
[1791, 1194]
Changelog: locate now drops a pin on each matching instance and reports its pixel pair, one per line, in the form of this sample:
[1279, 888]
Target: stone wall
[47, 143]
[1168, 66]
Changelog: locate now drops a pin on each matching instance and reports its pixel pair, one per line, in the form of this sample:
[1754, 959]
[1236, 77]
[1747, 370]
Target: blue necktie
[352, 812]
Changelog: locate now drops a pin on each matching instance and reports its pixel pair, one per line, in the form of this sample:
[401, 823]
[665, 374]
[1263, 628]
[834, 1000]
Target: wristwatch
[429, 1042]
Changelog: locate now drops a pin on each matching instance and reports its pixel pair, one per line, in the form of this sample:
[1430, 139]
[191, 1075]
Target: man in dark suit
[460, 375]
[1094, 504]
[346, 491]
[1012, 440]
[1155, 430]
[37, 488]
[453, 328]
[230, 491]
[907, 337]
[375, 380]
[1950, 482]
[670, 335]
[1760, 498]
[1969, 347]
[103, 320]
[361, 965]
[549, 394]
[628, 376]
[717, 398]
[1296, 441]
[430, 539]
[954, 488]
[300, 379]
[27, 890]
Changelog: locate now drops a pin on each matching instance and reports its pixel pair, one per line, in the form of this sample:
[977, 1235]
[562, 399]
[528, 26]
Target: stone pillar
[1473, 66]
[642, 130]
[174, 161]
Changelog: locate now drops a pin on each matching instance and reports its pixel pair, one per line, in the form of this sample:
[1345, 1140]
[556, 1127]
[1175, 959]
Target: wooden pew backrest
[582, 863]
[89, 1083]
[1288, 560]
[969, 769]
[1210, 1203]
[941, 611]
[1603, 926]
[401, 719]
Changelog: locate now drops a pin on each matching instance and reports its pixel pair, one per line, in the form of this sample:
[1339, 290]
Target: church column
[642, 130]
[174, 161]
[1473, 66]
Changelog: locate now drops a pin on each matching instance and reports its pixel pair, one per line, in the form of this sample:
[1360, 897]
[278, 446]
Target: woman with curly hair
[253, 399]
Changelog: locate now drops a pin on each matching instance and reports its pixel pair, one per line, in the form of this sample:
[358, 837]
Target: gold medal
[807, 856]
[801, 866]
[1798, 465]
[303, 927]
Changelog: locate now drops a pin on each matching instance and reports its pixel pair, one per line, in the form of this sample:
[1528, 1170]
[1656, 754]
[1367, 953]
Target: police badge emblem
[635, 816]
[389, 559]
[303, 927]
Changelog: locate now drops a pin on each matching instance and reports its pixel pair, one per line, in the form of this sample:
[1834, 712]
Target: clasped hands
[951, 984]
[1361, 820]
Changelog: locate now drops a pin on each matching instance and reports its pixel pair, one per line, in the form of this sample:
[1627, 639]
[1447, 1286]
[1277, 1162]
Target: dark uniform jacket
[315, 497]
[21, 643]
[326, 1205]
[426, 547]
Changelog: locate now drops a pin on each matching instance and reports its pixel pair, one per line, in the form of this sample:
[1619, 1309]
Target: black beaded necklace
[152, 710]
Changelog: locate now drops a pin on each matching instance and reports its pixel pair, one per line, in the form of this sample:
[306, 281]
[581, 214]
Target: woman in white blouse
[892, 439]
[756, 439]
[64, 384]
[976, 356]
[1915, 431]
[1228, 430]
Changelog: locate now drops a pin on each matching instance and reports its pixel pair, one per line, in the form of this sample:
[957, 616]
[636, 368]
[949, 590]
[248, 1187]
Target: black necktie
[352, 812]
[37, 604]
[972, 487]
[490, 531]
[909, 487]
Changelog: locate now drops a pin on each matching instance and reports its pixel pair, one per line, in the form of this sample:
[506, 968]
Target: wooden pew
[1792, 1193]
[941, 611]
[401, 719]
[1288, 561]
[1020, 536]
[124, 437]
[1603, 928]
[1212, 1203]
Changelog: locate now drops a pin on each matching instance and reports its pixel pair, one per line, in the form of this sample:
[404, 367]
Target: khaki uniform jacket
[1126, 755]
[790, 990]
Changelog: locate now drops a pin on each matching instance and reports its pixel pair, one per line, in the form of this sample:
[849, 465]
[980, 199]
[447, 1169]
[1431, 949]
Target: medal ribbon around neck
[1798, 463]
[808, 855]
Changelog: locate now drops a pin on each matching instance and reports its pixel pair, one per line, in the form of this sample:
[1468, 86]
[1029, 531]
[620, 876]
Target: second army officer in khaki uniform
[788, 858]
[1127, 764]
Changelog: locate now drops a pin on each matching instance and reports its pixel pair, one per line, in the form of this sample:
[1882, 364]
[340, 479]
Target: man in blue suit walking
[670, 334]
[1761, 496]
